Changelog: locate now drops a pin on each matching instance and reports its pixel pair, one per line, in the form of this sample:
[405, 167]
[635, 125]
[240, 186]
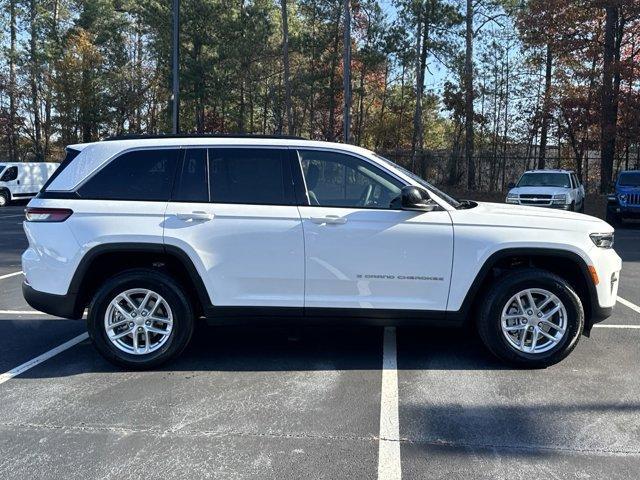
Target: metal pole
[175, 67]
[347, 72]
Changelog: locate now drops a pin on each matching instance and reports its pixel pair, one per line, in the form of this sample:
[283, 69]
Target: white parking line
[21, 312]
[11, 216]
[389, 467]
[630, 327]
[9, 275]
[627, 303]
[41, 358]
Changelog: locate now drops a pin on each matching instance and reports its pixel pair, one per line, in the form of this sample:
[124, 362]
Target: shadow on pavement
[292, 349]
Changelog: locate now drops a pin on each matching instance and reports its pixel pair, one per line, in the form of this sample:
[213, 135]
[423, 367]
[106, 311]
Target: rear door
[233, 212]
[361, 252]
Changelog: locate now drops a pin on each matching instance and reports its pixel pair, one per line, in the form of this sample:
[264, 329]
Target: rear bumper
[64, 306]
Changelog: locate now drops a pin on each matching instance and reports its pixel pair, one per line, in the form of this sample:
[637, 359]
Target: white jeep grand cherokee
[150, 234]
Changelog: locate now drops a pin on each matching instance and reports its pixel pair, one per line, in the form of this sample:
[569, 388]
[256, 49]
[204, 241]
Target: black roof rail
[200, 135]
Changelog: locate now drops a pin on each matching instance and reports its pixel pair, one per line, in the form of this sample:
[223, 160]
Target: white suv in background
[152, 234]
[548, 188]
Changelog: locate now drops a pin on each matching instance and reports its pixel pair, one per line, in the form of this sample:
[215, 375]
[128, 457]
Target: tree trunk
[608, 114]
[285, 61]
[546, 108]
[469, 146]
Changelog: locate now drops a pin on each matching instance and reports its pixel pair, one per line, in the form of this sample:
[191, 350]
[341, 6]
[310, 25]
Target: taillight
[47, 214]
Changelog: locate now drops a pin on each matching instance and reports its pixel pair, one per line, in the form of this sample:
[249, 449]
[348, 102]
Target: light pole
[175, 68]
[347, 72]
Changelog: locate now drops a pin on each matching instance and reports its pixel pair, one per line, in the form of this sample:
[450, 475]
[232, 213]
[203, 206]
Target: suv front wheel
[532, 318]
[140, 319]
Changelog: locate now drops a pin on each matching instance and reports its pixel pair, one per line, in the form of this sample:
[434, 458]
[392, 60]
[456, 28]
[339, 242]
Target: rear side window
[250, 175]
[192, 184]
[71, 154]
[138, 175]
[9, 174]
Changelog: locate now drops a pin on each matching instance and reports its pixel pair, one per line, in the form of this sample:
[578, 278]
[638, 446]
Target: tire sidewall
[575, 320]
[182, 328]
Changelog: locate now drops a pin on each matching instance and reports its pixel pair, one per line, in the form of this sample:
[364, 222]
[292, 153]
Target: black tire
[572, 207]
[173, 294]
[489, 322]
[4, 198]
[582, 206]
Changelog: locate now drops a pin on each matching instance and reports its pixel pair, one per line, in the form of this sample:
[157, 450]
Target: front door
[359, 252]
[233, 212]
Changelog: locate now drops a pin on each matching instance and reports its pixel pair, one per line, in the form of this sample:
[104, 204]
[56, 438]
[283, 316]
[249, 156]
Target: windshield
[447, 198]
[627, 179]
[545, 180]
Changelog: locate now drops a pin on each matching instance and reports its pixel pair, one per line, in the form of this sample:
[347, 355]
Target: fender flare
[92, 254]
[494, 258]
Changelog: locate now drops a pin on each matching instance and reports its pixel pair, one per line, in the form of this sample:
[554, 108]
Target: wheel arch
[110, 259]
[566, 264]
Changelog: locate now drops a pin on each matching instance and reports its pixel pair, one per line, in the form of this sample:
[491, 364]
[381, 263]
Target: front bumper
[64, 306]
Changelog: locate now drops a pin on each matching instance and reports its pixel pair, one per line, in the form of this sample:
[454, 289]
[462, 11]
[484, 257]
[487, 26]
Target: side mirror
[414, 198]
[511, 185]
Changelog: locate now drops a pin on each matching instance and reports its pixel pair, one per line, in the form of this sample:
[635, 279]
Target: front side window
[138, 175]
[340, 180]
[545, 180]
[1, 168]
[254, 176]
[10, 174]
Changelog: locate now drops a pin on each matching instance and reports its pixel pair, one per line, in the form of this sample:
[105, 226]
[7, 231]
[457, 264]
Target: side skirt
[330, 316]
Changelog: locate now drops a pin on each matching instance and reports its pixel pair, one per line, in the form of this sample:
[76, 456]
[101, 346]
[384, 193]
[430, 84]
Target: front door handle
[199, 216]
[329, 220]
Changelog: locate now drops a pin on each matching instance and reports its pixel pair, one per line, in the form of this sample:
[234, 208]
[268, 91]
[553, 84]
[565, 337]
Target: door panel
[386, 259]
[247, 255]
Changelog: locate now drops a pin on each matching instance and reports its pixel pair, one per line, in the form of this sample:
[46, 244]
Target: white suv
[548, 188]
[150, 234]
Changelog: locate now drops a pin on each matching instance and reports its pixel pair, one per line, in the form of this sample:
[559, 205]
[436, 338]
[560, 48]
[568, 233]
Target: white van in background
[23, 180]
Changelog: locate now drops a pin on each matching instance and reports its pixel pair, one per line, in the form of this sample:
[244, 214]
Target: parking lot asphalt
[289, 403]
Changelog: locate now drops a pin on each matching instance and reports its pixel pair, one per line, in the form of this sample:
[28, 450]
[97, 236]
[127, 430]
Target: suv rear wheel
[531, 318]
[140, 319]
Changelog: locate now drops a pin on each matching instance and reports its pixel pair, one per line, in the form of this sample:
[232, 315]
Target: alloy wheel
[138, 321]
[534, 321]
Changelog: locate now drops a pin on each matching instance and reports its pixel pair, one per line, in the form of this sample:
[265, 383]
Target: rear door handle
[199, 216]
[329, 220]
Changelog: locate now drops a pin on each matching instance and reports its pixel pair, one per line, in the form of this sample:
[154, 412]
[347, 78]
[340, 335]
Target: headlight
[560, 199]
[512, 195]
[512, 198]
[602, 240]
[623, 197]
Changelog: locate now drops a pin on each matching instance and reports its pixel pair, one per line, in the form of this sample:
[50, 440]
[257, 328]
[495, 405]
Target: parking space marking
[9, 275]
[389, 467]
[21, 312]
[631, 327]
[627, 303]
[41, 358]
[11, 216]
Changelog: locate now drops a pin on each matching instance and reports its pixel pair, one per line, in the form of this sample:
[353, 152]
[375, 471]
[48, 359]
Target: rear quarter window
[142, 175]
